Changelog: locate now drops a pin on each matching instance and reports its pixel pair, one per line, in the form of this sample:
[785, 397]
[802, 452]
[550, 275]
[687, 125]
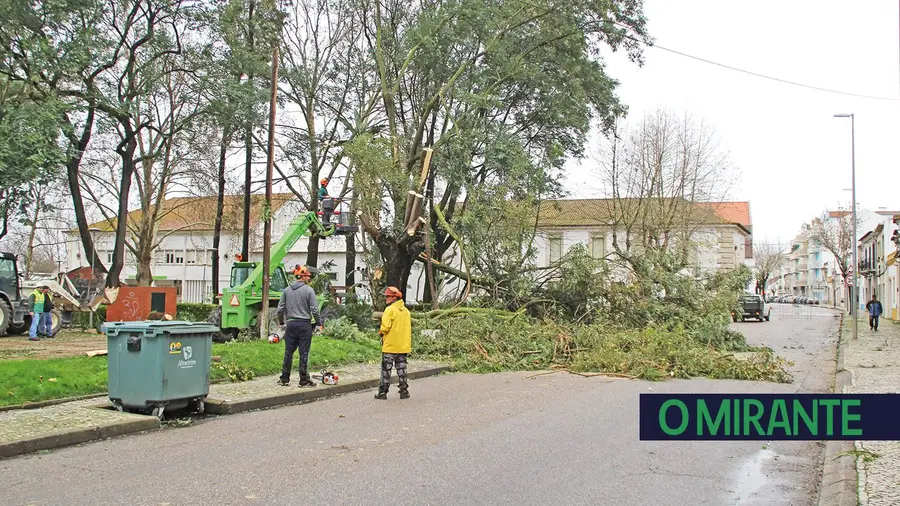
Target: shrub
[193, 312]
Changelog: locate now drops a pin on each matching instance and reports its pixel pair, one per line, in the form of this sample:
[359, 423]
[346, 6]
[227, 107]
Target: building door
[158, 302]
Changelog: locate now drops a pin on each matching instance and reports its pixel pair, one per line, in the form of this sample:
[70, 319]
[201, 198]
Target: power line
[785, 81]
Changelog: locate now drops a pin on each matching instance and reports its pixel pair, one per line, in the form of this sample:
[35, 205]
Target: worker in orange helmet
[298, 306]
[323, 189]
[396, 342]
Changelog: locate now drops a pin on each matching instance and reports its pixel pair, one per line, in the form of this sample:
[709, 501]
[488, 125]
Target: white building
[877, 254]
[183, 257]
[722, 239]
[184, 253]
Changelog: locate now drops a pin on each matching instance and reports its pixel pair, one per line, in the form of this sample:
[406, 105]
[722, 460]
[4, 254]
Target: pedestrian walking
[875, 310]
[36, 301]
[396, 342]
[298, 307]
[45, 328]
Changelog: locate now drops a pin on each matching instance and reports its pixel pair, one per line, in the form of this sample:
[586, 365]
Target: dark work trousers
[873, 322]
[297, 335]
[397, 360]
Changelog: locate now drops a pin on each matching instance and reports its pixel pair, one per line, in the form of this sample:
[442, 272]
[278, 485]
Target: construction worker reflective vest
[37, 301]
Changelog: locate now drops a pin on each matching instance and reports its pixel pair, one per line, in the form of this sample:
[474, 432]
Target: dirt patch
[66, 344]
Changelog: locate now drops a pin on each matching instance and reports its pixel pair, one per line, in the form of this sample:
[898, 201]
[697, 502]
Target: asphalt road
[461, 439]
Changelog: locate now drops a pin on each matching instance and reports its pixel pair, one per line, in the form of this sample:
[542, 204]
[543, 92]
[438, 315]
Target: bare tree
[167, 152]
[662, 180]
[768, 258]
[834, 231]
[318, 79]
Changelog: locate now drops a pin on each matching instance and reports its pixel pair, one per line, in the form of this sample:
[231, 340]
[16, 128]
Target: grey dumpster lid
[156, 328]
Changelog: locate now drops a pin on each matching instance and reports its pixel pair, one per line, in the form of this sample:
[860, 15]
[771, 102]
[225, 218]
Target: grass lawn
[31, 380]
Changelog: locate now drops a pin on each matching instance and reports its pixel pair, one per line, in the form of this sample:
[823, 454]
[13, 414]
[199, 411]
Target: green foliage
[193, 312]
[81, 319]
[345, 330]
[30, 153]
[587, 290]
[484, 343]
[356, 311]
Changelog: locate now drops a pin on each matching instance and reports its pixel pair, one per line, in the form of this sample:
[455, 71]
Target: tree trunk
[144, 275]
[127, 155]
[248, 174]
[29, 250]
[312, 251]
[248, 142]
[438, 257]
[398, 256]
[350, 260]
[350, 251]
[220, 208]
[73, 168]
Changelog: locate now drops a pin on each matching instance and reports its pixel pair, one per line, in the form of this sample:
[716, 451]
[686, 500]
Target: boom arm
[297, 229]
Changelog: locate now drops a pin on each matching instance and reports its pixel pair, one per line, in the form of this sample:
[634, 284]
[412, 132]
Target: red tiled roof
[199, 213]
[731, 212]
[599, 212]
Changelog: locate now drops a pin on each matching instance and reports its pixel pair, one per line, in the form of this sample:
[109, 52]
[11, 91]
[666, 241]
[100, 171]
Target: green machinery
[13, 307]
[241, 304]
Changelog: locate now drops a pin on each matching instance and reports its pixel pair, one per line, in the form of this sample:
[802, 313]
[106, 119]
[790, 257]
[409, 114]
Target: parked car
[753, 306]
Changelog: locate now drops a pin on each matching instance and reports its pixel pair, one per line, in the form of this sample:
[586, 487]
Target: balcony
[867, 267]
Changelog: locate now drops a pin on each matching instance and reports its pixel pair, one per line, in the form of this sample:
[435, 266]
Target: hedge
[194, 312]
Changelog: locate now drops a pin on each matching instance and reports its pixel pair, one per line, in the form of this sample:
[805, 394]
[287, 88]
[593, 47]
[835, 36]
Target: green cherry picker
[241, 303]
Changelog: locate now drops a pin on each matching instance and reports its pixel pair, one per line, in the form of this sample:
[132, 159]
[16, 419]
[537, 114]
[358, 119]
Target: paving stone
[267, 385]
[874, 360]
[83, 417]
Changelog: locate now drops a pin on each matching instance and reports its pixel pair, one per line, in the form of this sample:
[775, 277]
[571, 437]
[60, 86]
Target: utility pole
[854, 288]
[267, 213]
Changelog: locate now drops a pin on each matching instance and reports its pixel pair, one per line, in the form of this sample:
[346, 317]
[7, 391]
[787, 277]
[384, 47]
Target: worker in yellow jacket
[396, 342]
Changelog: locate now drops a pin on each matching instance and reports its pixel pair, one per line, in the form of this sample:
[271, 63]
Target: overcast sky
[794, 157]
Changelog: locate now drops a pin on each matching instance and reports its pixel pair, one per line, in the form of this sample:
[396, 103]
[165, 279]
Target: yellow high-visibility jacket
[396, 329]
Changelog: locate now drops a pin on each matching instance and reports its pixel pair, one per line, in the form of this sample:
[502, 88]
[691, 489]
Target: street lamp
[855, 288]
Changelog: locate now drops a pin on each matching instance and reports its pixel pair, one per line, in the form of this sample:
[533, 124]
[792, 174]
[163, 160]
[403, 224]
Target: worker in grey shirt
[298, 306]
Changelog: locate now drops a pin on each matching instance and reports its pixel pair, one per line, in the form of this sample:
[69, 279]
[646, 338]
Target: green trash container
[155, 366]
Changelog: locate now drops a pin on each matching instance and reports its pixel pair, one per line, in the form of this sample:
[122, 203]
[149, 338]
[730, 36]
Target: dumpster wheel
[199, 406]
[158, 412]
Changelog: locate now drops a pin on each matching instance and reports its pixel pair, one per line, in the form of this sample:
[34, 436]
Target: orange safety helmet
[392, 292]
[324, 181]
[301, 271]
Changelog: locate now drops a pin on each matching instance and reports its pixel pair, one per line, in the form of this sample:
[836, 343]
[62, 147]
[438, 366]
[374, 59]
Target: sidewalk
[31, 430]
[874, 363]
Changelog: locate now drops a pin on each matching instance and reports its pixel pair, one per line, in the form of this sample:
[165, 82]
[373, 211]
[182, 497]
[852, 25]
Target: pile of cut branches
[483, 341]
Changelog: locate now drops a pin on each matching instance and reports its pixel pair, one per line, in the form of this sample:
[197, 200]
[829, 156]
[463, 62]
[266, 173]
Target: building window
[556, 247]
[598, 246]
[174, 258]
